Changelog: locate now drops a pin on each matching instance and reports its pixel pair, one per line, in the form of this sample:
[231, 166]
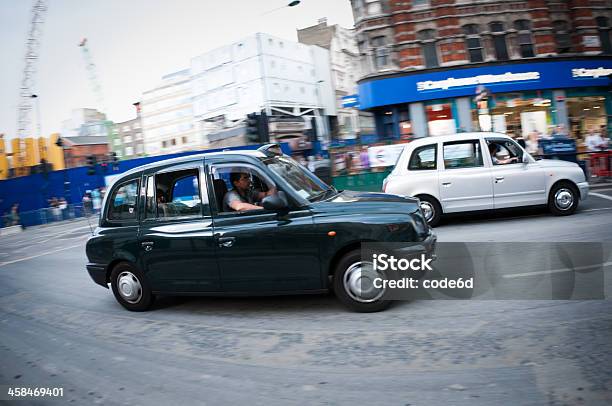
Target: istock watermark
[487, 270]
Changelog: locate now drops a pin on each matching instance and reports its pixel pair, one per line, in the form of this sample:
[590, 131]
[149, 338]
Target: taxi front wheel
[131, 288]
[354, 284]
[563, 199]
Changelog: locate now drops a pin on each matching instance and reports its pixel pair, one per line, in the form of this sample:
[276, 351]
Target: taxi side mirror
[525, 159]
[275, 202]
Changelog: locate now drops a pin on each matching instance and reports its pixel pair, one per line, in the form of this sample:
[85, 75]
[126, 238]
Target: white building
[85, 122]
[167, 116]
[290, 81]
[345, 68]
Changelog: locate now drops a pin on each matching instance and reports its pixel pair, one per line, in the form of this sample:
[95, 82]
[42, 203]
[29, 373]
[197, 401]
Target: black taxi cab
[171, 228]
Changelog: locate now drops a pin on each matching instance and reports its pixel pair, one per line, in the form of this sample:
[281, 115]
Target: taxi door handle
[226, 242]
[446, 184]
[499, 179]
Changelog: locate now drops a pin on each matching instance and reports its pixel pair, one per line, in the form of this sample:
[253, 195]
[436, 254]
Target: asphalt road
[59, 329]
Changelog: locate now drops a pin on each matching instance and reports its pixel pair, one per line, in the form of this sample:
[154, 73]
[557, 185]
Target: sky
[133, 43]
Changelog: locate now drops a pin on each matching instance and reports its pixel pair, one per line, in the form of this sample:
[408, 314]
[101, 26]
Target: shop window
[473, 43]
[524, 38]
[603, 25]
[562, 36]
[420, 3]
[428, 46]
[499, 40]
[440, 120]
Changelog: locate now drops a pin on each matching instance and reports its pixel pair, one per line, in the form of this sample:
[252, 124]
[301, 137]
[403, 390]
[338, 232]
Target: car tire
[131, 288]
[563, 199]
[430, 205]
[349, 266]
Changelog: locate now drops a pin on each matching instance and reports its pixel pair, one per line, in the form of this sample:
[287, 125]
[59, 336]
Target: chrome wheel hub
[359, 282]
[428, 210]
[129, 287]
[564, 199]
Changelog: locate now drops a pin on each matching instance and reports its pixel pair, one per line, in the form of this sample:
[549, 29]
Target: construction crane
[93, 75]
[26, 90]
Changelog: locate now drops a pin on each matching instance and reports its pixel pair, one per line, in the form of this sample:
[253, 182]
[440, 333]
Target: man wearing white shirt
[594, 141]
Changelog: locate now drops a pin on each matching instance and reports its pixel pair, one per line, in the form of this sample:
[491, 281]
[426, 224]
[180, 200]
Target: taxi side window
[176, 194]
[424, 158]
[123, 202]
[462, 154]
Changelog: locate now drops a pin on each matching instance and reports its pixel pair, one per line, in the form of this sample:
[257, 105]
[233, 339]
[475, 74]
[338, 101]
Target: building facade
[127, 140]
[538, 63]
[167, 116]
[77, 149]
[345, 70]
[289, 81]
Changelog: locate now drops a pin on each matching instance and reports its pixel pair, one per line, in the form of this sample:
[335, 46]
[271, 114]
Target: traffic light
[264, 129]
[114, 160]
[91, 164]
[257, 128]
[252, 127]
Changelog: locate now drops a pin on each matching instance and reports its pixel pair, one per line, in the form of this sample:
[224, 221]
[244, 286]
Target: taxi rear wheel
[432, 211]
[353, 286]
[131, 288]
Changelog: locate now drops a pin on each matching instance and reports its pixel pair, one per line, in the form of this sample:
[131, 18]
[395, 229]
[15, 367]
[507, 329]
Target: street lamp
[290, 4]
[35, 97]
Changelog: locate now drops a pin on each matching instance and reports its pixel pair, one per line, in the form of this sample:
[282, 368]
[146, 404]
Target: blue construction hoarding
[32, 192]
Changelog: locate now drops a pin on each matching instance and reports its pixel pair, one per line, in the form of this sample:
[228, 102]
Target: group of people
[58, 208]
[595, 141]
[92, 200]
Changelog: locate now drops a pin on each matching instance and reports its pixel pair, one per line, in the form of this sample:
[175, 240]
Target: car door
[176, 234]
[465, 182]
[259, 250]
[516, 183]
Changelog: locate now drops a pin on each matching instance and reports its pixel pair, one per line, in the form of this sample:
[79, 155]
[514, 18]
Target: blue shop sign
[350, 101]
[497, 79]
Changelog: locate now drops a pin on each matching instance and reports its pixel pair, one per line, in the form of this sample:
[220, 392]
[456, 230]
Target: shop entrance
[586, 113]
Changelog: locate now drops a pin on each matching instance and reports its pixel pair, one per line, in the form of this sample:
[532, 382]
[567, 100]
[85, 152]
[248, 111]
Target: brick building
[543, 62]
[77, 149]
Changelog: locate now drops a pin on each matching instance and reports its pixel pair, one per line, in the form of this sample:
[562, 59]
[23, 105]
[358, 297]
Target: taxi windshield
[305, 183]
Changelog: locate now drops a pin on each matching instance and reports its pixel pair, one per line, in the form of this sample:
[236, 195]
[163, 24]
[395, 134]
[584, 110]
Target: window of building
[164, 144]
[129, 151]
[473, 43]
[462, 154]
[525, 40]
[173, 142]
[127, 139]
[117, 142]
[499, 40]
[423, 158]
[124, 202]
[184, 139]
[139, 148]
[373, 7]
[428, 46]
[603, 24]
[562, 36]
[420, 3]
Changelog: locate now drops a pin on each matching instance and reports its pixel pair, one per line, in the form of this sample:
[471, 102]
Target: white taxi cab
[482, 171]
